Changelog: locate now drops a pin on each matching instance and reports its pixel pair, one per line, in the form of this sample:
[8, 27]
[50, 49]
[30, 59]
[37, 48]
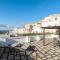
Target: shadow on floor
[10, 53]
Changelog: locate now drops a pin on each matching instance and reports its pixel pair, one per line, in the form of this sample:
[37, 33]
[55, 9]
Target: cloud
[2, 25]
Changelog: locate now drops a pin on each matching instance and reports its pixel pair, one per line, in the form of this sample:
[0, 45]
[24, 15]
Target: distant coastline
[4, 31]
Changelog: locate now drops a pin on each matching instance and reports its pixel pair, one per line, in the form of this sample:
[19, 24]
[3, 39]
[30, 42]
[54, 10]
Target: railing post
[44, 36]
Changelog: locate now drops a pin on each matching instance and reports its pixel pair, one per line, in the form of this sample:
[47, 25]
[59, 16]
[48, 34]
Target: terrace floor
[48, 52]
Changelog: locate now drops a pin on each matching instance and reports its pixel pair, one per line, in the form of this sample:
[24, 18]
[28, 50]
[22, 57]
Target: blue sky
[21, 12]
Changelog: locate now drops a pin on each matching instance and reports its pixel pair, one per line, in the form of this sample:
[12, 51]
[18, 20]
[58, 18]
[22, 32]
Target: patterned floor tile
[50, 52]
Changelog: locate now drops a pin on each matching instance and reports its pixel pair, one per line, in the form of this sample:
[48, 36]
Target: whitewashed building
[51, 20]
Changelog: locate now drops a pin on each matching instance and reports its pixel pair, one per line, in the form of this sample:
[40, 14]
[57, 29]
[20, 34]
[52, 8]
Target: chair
[55, 41]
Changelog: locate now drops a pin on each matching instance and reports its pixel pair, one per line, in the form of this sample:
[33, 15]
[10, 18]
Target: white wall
[37, 29]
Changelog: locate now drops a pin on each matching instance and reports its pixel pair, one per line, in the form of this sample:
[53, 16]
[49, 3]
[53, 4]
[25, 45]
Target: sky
[17, 13]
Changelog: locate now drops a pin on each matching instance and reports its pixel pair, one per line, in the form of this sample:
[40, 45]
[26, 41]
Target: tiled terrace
[48, 52]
